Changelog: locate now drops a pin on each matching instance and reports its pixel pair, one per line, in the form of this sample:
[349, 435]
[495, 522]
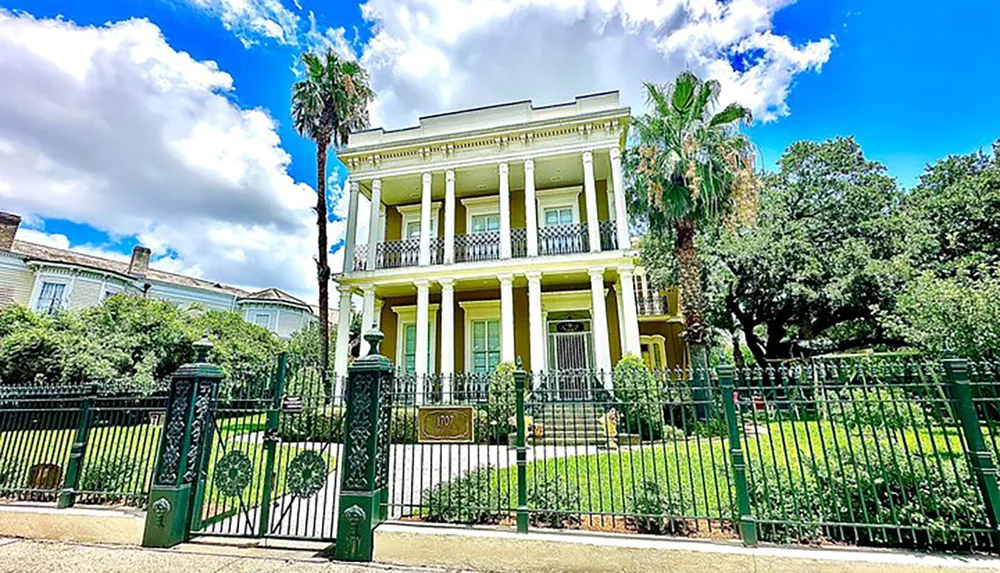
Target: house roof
[275, 295]
[43, 253]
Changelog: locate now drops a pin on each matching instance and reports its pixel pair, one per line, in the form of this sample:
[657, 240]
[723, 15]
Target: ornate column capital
[421, 283]
[377, 185]
[368, 289]
[596, 272]
[449, 176]
[446, 282]
[588, 157]
[345, 289]
[626, 271]
[505, 278]
[533, 275]
[504, 168]
[529, 164]
[427, 178]
[615, 153]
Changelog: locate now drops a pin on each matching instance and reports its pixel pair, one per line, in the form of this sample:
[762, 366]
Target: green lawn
[694, 476]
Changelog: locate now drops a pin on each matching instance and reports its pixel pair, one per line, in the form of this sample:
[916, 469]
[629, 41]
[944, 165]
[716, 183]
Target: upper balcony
[556, 205]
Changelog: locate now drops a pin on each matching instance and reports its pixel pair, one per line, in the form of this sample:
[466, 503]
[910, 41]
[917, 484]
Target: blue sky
[233, 203]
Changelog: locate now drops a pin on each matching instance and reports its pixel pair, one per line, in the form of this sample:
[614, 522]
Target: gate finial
[374, 339]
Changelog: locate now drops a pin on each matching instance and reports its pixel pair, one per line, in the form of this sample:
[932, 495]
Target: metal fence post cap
[200, 368]
[373, 360]
[201, 347]
[374, 339]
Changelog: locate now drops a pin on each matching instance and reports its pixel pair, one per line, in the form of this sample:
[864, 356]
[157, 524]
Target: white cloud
[427, 56]
[112, 127]
[253, 19]
[56, 240]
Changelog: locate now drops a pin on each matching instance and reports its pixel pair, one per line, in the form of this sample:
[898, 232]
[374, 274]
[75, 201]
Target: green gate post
[180, 463]
[67, 497]
[747, 523]
[364, 486]
[520, 377]
[271, 443]
[979, 457]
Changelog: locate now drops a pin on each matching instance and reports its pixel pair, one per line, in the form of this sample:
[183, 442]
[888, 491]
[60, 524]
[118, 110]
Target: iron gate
[273, 464]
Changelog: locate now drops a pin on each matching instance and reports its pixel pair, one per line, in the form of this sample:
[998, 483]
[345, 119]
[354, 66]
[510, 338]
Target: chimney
[9, 223]
[140, 261]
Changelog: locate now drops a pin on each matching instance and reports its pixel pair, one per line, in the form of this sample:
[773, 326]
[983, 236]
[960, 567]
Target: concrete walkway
[53, 557]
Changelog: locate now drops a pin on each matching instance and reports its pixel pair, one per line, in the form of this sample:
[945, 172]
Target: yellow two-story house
[502, 232]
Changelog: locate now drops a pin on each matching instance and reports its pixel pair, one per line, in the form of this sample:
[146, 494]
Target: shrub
[639, 398]
[553, 502]
[8, 472]
[878, 407]
[656, 513]
[931, 505]
[313, 425]
[501, 405]
[475, 497]
[108, 475]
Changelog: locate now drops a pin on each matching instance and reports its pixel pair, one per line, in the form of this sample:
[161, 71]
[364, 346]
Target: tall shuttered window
[485, 345]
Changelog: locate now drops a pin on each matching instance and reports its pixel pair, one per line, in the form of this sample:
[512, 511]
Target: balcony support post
[374, 224]
[626, 289]
[447, 368]
[425, 222]
[505, 249]
[590, 190]
[530, 209]
[621, 212]
[599, 326]
[350, 236]
[536, 324]
[449, 217]
[423, 338]
[506, 317]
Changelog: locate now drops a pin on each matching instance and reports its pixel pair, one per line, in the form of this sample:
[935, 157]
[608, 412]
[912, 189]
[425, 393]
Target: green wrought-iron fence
[889, 453]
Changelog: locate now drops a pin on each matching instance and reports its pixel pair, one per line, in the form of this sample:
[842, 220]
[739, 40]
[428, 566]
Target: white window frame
[558, 199]
[477, 206]
[406, 315]
[411, 214]
[475, 310]
[41, 280]
[266, 314]
[657, 343]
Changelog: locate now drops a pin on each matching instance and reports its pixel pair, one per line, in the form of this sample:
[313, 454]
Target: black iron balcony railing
[518, 243]
[563, 239]
[360, 257]
[609, 235]
[477, 247]
[658, 304]
[397, 254]
[437, 250]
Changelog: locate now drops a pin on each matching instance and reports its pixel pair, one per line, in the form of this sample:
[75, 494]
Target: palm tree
[328, 103]
[689, 168]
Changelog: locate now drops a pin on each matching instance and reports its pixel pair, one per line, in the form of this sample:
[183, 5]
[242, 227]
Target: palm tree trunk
[322, 267]
[689, 271]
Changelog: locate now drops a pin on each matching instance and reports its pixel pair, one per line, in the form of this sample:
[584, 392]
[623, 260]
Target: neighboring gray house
[47, 279]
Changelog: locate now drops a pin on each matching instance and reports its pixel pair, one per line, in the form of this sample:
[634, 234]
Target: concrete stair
[569, 424]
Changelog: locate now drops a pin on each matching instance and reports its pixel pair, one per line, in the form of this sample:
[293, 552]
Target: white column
[367, 317]
[590, 190]
[621, 213]
[447, 335]
[350, 237]
[536, 327]
[425, 222]
[449, 217]
[343, 339]
[530, 209]
[374, 221]
[506, 317]
[504, 211]
[630, 315]
[423, 336]
[602, 344]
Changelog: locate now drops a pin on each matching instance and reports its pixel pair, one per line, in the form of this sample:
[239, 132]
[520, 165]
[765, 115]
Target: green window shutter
[410, 347]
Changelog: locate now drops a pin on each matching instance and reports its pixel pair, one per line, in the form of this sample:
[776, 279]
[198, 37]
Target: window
[485, 223]
[558, 216]
[51, 298]
[485, 345]
[410, 347]
[262, 319]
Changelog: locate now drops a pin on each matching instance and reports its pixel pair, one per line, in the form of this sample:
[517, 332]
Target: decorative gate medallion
[233, 473]
[306, 474]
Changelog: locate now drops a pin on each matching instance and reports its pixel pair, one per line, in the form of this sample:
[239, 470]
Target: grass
[119, 460]
[694, 474]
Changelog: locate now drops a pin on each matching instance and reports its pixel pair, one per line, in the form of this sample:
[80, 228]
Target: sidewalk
[23, 556]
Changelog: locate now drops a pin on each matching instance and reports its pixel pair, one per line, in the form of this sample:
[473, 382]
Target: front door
[570, 351]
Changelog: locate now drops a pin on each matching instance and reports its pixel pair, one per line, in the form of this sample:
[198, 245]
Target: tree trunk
[322, 267]
[737, 350]
[689, 271]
